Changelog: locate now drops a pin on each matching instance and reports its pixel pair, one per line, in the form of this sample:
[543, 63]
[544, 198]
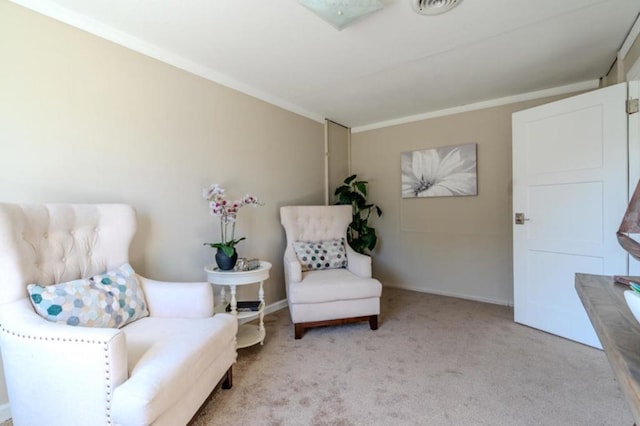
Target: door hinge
[632, 106]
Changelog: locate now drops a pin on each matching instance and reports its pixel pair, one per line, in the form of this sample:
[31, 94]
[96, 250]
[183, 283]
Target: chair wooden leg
[300, 328]
[227, 383]
[373, 322]
[298, 331]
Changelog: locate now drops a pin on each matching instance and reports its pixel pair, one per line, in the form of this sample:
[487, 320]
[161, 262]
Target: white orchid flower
[228, 213]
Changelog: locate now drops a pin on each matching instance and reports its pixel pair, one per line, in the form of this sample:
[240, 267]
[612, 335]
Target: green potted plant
[227, 211]
[361, 237]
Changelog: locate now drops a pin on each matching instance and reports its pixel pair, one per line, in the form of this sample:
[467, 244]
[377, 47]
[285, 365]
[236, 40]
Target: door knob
[520, 218]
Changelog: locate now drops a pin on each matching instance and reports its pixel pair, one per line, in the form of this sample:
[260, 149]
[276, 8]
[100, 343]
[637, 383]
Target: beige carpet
[434, 361]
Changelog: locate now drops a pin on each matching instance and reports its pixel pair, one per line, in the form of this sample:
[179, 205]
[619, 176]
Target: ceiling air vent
[434, 7]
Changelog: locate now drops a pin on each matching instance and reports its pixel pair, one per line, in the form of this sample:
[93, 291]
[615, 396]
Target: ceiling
[389, 65]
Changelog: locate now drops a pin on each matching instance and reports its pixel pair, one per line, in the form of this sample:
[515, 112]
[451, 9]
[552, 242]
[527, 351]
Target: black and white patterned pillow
[315, 255]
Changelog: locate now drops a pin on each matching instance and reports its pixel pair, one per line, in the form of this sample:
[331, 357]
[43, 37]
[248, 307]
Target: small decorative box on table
[248, 334]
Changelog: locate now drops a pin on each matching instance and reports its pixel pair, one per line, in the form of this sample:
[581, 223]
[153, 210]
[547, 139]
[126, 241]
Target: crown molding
[561, 90]
[634, 32]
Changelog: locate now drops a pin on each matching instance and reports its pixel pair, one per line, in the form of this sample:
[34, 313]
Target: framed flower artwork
[440, 172]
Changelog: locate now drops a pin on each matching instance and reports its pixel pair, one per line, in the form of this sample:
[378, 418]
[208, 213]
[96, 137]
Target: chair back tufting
[315, 223]
[52, 243]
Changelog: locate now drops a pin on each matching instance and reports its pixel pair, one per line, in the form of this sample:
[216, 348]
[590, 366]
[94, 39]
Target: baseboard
[269, 309]
[5, 412]
[275, 307]
[451, 294]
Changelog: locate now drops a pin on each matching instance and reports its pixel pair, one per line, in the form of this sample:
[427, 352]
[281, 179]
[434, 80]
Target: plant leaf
[359, 200]
[228, 250]
[362, 187]
[371, 240]
[348, 180]
[341, 190]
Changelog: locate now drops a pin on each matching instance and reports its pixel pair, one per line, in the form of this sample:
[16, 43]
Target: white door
[570, 183]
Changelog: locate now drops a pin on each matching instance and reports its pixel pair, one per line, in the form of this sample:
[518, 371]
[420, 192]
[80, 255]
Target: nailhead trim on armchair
[106, 356]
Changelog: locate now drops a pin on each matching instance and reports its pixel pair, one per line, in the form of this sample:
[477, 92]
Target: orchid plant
[227, 211]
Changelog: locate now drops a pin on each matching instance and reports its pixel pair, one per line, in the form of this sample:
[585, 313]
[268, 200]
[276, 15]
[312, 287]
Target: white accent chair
[156, 370]
[333, 296]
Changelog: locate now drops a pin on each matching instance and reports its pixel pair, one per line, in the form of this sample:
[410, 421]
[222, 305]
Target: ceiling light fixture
[341, 13]
[434, 7]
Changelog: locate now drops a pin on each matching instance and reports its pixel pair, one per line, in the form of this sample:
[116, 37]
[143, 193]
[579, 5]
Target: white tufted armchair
[156, 370]
[331, 296]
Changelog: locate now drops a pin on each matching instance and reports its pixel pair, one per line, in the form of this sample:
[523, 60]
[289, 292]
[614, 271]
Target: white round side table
[248, 334]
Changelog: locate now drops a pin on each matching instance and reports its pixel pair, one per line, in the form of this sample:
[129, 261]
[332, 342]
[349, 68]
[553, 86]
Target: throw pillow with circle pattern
[316, 255]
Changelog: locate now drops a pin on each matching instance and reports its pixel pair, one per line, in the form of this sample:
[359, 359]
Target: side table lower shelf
[248, 335]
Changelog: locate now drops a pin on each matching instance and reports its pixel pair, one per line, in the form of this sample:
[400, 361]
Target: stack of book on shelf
[246, 306]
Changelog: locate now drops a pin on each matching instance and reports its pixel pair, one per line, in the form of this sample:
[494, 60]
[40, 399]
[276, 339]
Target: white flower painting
[440, 172]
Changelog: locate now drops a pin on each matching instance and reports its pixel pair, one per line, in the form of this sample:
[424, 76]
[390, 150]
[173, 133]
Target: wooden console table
[617, 329]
